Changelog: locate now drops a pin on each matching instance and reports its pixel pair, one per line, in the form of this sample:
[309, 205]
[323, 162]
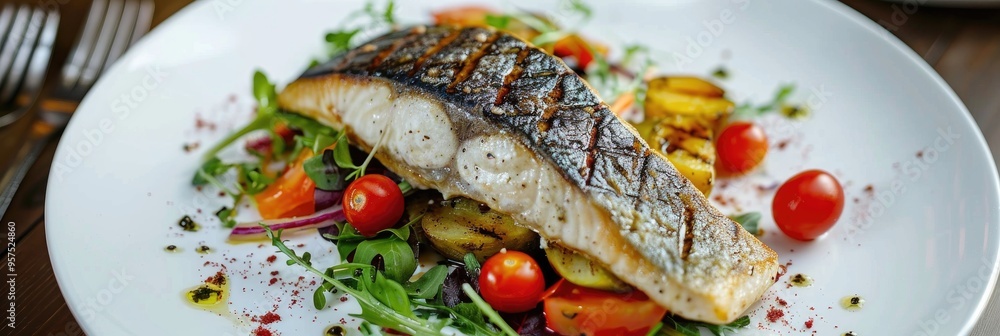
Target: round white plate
[920, 245]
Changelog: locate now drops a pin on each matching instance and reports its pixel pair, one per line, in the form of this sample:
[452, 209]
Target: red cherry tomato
[373, 203]
[511, 282]
[741, 147]
[577, 310]
[808, 204]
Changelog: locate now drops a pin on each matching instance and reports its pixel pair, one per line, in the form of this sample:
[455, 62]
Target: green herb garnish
[372, 309]
[720, 73]
[397, 305]
[673, 325]
[777, 104]
[324, 171]
[368, 20]
[748, 221]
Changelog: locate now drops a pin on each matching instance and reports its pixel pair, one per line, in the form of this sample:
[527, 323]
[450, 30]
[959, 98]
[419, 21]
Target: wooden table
[963, 45]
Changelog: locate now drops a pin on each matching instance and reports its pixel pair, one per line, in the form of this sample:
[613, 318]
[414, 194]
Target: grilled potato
[687, 143]
[580, 270]
[460, 225]
[662, 103]
[689, 85]
[682, 115]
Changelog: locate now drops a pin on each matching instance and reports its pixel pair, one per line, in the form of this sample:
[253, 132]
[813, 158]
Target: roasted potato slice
[682, 115]
[580, 270]
[662, 103]
[460, 225]
[689, 85]
[687, 143]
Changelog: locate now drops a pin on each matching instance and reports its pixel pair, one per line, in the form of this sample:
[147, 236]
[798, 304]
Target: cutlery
[110, 28]
[27, 35]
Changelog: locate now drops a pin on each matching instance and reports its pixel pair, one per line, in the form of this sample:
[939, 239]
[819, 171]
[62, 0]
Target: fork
[24, 55]
[110, 28]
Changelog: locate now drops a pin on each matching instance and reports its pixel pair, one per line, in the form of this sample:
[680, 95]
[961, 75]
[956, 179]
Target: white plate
[925, 263]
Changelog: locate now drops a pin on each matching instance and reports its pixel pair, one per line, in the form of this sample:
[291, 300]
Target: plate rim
[835, 7]
[983, 147]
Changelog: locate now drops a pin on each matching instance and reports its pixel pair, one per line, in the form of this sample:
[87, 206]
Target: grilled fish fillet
[479, 113]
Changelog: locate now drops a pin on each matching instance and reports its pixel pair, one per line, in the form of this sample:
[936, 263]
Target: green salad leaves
[389, 299]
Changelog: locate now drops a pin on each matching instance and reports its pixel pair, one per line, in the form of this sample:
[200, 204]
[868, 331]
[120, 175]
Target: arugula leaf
[213, 167]
[429, 284]
[226, 216]
[319, 297]
[747, 110]
[322, 141]
[720, 73]
[342, 154]
[471, 264]
[470, 317]
[372, 310]
[340, 41]
[267, 106]
[368, 329]
[487, 310]
[263, 91]
[347, 240]
[252, 178]
[748, 221]
[581, 8]
[322, 170]
[388, 15]
[400, 262]
[673, 324]
[633, 51]
[387, 291]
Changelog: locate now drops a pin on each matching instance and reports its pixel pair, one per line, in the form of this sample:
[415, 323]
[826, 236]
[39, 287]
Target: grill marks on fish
[430, 52]
[527, 94]
[688, 231]
[515, 73]
[473, 61]
[443, 67]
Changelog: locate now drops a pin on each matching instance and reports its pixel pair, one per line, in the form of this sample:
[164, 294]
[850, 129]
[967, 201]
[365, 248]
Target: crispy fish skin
[478, 113]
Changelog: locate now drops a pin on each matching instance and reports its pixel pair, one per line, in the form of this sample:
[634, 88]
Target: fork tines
[26, 37]
[111, 27]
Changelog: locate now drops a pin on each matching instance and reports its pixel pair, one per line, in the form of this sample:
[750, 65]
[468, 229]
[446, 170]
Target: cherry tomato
[577, 310]
[511, 282]
[373, 203]
[291, 194]
[808, 204]
[741, 147]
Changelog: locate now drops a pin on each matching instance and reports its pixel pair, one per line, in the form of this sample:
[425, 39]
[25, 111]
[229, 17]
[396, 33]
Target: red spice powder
[273, 281]
[809, 323]
[774, 314]
[272, 258]
[782, 302]
[269, 318]
[274, 272]
[781, 145]
[260, 331]
[218, 279]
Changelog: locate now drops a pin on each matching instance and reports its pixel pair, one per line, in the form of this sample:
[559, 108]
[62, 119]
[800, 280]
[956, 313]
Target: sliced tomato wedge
[463, 16]
[291, 194]
[577, 310]
[578, 48]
